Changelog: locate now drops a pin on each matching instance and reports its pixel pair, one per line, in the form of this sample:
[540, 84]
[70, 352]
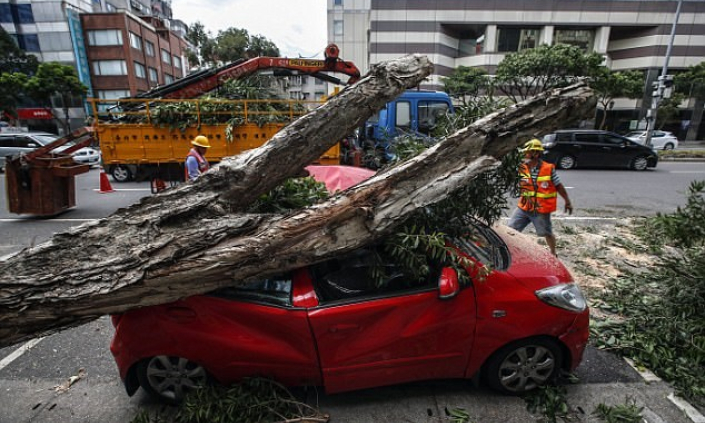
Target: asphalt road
[31, 373]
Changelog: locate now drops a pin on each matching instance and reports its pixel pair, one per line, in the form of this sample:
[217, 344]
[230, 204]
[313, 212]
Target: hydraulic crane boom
[202, 82]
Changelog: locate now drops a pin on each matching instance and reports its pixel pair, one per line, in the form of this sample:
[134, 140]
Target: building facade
[53, 31]
[630, 34]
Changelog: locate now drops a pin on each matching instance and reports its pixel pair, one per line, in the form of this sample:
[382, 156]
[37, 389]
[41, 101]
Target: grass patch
[681, 154]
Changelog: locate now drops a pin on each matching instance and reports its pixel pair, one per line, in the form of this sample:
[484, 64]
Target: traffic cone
[105, 186]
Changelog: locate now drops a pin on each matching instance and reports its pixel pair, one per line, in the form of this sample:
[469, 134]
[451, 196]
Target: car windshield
[46, 139]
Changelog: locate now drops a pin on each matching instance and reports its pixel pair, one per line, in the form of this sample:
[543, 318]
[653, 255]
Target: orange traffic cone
[105, 186]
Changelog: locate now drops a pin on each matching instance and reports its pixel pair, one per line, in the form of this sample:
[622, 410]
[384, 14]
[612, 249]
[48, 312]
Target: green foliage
[661, 312]
[228, 46]
[459, 415]
[13, 59]
[54, 79]
[669, 109]
[622, 413]
[683, 228]
[692, 81]
[11, 91]
[254, 400]
[609, 85]
[294, 193]
[529, 72]
[465, 84]
[550, 402]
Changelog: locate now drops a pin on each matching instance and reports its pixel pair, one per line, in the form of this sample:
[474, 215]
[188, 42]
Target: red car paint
[363, 342]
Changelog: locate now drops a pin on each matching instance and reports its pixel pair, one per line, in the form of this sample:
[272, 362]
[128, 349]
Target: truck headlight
[565, 296]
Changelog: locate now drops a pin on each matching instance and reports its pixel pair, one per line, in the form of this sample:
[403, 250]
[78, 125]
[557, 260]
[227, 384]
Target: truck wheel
[121, 173]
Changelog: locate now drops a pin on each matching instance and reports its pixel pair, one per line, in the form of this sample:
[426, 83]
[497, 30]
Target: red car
[343, 326]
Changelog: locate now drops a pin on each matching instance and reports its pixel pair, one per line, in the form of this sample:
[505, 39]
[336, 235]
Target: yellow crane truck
[139, 140]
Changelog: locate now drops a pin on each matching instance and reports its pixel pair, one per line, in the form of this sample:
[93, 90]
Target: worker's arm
[563, 193]
[192, 168]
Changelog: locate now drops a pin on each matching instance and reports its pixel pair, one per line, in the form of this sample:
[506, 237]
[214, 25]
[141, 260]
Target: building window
[516, 39]
[337, 2]
[166, 57]
[28, 42]
[177, 62]
[337, 27]
[113, 94]
[168, 79]
[317, 81]
[24, 13]
[140, 71]
[149, 48]
[582, 38]
[110, 8]
[5, 13]
[105, 37]
[135, 41]
[153, 76]
[109, 67]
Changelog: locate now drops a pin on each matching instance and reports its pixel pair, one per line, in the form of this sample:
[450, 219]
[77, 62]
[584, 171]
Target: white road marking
[18, 352]
[686, 171]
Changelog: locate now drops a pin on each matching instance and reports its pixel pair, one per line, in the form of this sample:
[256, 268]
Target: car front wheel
[566, 162]
[170, 378]
[524, 365]
[640, 163]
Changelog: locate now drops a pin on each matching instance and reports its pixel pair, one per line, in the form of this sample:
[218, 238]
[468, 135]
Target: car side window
[366, 273]
[24, 142]
[563, 137]
[587, 138]
[611, 139]
[274, 290]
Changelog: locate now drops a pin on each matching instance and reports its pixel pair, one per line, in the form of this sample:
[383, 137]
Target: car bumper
[576, 338]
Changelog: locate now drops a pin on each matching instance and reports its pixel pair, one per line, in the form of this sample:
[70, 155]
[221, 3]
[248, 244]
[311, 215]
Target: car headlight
[565, 296]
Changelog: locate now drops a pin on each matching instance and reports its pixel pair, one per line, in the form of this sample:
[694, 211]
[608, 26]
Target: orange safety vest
[203, 164]
[539, 195]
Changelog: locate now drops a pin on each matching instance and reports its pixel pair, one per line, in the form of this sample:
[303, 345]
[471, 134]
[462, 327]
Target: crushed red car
[336, 325]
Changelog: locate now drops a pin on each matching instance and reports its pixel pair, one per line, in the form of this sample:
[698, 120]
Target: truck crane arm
[202, 82]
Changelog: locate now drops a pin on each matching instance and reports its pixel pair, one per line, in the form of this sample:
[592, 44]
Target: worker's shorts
[542, 221]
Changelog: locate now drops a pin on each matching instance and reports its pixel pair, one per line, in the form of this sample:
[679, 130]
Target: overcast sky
[297, 27]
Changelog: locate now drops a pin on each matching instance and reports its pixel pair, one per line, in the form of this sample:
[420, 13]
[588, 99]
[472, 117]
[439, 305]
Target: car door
[619, 151]
[398, 333]
[658, 139]
[587, 149]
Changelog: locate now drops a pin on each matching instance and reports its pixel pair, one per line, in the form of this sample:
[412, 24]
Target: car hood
[532, 264]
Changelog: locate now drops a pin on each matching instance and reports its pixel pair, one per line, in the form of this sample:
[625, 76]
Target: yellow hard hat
[533, 145]
[201, 141]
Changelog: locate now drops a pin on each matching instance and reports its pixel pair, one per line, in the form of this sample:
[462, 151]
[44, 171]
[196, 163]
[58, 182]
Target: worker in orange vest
[196, 162]
[540, 187]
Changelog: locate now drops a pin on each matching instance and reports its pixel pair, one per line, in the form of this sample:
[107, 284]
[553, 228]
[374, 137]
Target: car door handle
[343, 328]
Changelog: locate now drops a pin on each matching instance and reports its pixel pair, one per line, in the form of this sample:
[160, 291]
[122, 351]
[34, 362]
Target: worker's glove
[568, 208]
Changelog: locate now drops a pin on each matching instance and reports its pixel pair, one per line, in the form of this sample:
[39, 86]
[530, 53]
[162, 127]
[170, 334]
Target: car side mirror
[448, 284]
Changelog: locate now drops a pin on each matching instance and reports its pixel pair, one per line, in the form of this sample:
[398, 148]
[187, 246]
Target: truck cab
[414, 112]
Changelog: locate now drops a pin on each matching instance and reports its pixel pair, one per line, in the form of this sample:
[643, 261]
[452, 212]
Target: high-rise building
[478, 33]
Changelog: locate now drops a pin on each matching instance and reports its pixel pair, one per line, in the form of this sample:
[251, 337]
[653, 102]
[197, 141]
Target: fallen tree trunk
[195, 239]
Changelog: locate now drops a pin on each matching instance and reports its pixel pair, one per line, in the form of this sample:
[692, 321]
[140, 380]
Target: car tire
[171, 378]
[640, 163]
[566, 162]
[524, 365]
[669, 146]
[121, 173]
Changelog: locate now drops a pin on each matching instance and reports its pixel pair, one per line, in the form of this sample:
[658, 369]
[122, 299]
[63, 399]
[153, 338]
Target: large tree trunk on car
[196, 238]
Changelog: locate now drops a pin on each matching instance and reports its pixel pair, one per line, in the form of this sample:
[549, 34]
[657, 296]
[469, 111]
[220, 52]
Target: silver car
[660, 140]
[12, 144]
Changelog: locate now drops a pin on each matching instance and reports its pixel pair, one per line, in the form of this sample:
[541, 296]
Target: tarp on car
[339, 178]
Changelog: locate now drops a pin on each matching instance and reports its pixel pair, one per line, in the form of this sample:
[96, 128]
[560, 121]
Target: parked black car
[570, 148]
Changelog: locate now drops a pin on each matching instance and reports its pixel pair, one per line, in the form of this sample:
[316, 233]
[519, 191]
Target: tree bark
[195, 238]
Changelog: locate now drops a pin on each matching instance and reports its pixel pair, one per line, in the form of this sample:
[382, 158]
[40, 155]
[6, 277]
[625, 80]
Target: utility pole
[664, 86]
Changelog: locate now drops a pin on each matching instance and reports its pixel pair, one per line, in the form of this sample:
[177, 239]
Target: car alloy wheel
[524, 365]
[121, 173]
[566, 162]
[668, 146]
[171, 378]
[640, 163]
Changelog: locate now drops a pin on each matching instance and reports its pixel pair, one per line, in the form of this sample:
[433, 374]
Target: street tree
[474, 89]
[609, 85]
[56, 81]
[530, 72]
[13, 59]
[203, 235]
[11, 92]
[227, 46]
[691, 83]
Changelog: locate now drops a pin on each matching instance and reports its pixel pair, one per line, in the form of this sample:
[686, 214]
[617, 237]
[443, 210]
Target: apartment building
[631, 34]
[53, 31]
